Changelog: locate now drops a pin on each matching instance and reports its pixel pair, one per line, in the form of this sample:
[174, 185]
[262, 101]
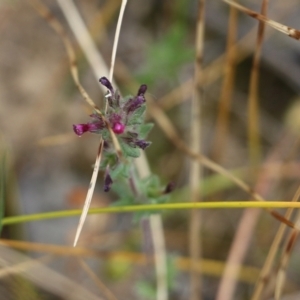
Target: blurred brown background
[50, 167]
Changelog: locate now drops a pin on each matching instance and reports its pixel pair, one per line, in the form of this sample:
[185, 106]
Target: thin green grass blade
[152, 207]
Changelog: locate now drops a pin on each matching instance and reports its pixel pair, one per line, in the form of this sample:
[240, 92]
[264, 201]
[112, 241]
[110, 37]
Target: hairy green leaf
[129, 151]
[144, 129]
[137, 117]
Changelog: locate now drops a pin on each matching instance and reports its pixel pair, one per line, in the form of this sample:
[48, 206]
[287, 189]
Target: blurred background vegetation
[46, 167]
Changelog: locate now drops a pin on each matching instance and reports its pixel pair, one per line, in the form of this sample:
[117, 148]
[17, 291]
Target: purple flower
[107, 182]
[117, 124]
[142, 144]
[134, 103]
[104, 81]
[94, 126]
[134, 142]
[121, 116]
[113, 98]
[142, 90]
[118, 128]
[80, 129]
[115, 118]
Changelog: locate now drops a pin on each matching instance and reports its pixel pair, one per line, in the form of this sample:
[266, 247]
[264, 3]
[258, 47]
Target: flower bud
[118, 128]
[107, 182]
[135, 103]
[142, 144]
[104, 81]
[142, 90]
[80, 129]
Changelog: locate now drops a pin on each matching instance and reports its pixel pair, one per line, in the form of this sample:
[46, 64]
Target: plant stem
[150, 207]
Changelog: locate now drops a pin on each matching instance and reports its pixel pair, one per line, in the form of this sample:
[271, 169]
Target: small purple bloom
[80, 129]
[142, 144]
[104, 81]
[135, 103]
[107, 182]
[118, 128]
[115, 118]
[121, 116]
[142, 90]
[94, 126]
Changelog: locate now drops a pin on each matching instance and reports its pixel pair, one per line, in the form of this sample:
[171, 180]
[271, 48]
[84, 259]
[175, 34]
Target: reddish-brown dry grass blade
[253, 106]
[291, 32]
[222, 124]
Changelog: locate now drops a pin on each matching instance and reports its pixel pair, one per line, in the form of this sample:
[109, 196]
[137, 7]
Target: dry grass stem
[102, 287]
[242, 49]
[160, 256]
[90, 193]
[55, 24]
[264, 275]
[195, 145]
[97, 65]
[237, 252]
[209, 267]
[18, 268]
[170, 131]
[84, 39]
[253, 105]
[270, 171]
[166, 125]
[51, 249]
[227, 88]
[42, 276]
[286, 254]
[245, 229]
[291, 32]
[116, 39]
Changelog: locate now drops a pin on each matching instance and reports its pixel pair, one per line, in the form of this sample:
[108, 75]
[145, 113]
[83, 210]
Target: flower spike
[124, 118]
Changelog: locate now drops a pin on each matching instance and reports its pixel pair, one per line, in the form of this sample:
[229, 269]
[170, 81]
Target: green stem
[151, 207]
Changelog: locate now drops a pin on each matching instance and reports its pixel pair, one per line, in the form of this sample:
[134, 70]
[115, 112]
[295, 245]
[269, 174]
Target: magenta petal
[115, 118]
[118, 128]
[95, 126]
[80, 129]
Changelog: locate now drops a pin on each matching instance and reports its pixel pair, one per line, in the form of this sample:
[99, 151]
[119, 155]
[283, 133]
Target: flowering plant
[125, 117]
